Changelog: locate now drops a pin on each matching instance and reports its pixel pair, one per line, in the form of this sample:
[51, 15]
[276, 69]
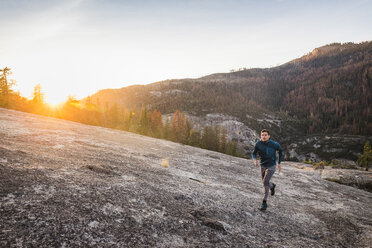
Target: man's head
[265, 135]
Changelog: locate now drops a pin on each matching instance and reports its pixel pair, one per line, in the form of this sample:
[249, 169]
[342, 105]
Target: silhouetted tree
[38, 96]
[5, 87]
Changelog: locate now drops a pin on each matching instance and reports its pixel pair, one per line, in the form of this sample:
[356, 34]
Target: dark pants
[266, 174]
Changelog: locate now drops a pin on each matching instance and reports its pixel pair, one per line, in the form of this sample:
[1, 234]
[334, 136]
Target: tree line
[175, 127]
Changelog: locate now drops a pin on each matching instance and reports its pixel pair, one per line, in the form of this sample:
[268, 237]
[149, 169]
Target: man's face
[265, 136]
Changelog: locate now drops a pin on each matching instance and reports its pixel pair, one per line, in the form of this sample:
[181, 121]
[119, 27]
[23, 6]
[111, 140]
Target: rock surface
[235, 130]
[355, 178]
[64, 184]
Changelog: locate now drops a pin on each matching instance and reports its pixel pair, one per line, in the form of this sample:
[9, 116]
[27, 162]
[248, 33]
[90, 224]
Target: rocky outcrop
[64, 184]
[300, 148]
[326, 147]
[355, 178]
[235, 129]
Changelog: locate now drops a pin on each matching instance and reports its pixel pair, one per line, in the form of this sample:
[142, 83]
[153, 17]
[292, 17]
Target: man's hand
[256, 162]
[279, 167]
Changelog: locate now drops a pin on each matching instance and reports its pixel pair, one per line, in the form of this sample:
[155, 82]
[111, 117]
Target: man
[266, 149]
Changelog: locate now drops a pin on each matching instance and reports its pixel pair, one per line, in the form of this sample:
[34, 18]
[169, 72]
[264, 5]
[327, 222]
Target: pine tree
[143, 127]
[209, 139]
[132, 121]
[113, 116]
[167, 130]
[217, 138]
[232, 148]
[5, 87]
[365, 159]
[194, 139]
[188, 131]
[156, 124]
[179, 127]
[223, 140]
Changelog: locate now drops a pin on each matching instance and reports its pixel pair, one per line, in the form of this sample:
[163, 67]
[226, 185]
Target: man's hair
[265, 131]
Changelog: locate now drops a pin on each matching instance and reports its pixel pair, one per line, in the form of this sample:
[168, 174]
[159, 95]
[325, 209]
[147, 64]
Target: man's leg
[268, 173]
[263, 174]
[263, 171]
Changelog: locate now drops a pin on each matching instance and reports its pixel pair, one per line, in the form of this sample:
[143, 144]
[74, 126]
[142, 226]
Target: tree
[365, 159]
[232, 148]
[167, 130]
[156, 123]
[114, 116]
[143, 122]
[128, 119]
[188, 130]
[179, 128]
[38, 96]
[209, 138]
[70, 110]
[194, 139]
[223, 140]
[217, 139]
[5, 87]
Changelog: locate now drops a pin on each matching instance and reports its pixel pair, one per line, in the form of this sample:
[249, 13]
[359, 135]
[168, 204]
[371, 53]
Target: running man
[266, 149]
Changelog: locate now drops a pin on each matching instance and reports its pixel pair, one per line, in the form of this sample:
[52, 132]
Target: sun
[55, 100]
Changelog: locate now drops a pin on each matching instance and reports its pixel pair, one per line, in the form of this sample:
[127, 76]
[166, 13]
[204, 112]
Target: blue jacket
[267, 151]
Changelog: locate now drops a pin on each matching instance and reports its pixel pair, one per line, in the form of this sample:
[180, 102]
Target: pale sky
[79, 47]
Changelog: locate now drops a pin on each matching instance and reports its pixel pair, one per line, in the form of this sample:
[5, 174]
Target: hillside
[327, 91]
[64, 184]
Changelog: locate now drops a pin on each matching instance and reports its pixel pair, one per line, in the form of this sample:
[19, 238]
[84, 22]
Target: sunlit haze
[79, 47]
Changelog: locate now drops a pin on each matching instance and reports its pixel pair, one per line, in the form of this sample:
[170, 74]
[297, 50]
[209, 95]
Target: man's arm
[254, 155]
[280, 150]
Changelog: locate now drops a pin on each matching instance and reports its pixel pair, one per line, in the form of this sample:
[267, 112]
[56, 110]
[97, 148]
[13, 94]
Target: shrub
[308, 162]
[321, 164]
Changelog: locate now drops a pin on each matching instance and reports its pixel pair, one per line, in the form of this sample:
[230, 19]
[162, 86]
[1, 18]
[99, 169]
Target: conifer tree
[208, 138]
[188, 129]
[156, 124]
[365, 159]
[223, 140]
[143, 121]
[178, 127]
[231, 148]
[194, 139]
[113, 116]
[132, 121]
[5, 87]
[167, 130]
[217, 138]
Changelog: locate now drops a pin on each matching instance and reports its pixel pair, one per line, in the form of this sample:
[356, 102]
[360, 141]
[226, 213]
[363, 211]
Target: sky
[77, 47]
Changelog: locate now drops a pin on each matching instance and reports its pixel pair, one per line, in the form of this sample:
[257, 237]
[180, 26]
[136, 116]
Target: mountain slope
[325, 91]
[68, 184]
